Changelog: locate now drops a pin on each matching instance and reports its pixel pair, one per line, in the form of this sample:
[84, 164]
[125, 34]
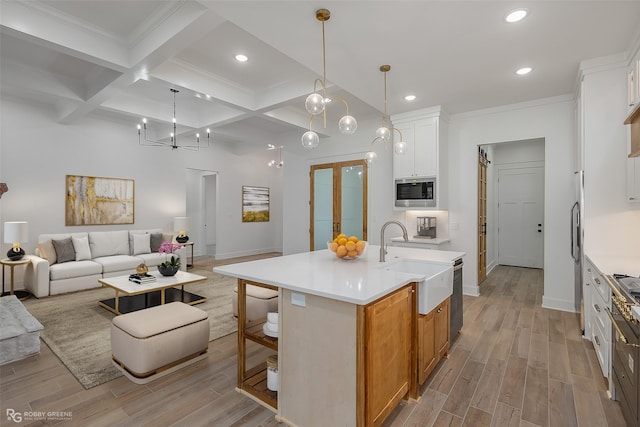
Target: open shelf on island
[255, 384]
[252, 380]
[256, 334]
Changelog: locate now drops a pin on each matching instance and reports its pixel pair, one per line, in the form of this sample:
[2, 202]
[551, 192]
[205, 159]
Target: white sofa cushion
[141, 244]
[81, 248]
[67, 270]
[106, 243]
[154, 258]
[144, 231]
[118, 263]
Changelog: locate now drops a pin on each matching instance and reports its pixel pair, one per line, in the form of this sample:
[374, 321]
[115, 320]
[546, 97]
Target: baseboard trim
[558, 304]
[246, 253]
[471, 290]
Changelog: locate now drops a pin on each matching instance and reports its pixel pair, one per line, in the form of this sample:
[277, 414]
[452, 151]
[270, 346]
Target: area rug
[77, 329]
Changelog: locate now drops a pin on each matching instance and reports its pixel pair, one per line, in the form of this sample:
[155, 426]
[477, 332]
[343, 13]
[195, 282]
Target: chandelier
[384, 133]
[172, 142]
[317, 101]
[277, 163]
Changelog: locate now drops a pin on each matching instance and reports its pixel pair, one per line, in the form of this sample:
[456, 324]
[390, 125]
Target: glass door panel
[351, 221]
[323, 223]
[338, 202]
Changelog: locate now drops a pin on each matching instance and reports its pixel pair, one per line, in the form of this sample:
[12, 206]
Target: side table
[21, 294]
[190, 244]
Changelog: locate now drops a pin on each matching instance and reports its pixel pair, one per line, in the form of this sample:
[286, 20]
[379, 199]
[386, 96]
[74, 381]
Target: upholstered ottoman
[260, 301]
[153, 342]
[19, 331]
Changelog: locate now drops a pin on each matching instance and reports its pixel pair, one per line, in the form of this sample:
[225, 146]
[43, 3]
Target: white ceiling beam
[37, 23]
[149, 54]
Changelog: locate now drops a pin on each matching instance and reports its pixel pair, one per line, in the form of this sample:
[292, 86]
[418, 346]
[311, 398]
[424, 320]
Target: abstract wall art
[255, 204]
[94, 200]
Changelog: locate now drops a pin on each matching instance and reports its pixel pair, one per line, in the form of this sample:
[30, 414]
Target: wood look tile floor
[514, 364]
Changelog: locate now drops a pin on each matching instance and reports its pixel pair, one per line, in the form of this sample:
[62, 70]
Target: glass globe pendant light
[371, 157]
[316, 102]
[384, 133]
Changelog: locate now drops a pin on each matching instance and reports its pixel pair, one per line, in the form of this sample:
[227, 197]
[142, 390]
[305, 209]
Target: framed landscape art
[255, 204]
[91, 200]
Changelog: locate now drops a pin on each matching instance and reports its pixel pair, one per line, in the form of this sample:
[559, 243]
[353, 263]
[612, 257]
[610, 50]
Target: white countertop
[422, 240]
[358, 281]
[610, 264]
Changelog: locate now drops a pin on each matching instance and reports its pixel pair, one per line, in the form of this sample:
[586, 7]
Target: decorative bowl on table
[347, 247]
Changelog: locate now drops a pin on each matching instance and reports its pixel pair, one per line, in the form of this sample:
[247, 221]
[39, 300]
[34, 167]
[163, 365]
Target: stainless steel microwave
[418, 192]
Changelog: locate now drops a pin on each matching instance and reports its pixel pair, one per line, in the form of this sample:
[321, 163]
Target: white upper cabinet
[424, 131]
[421, 158]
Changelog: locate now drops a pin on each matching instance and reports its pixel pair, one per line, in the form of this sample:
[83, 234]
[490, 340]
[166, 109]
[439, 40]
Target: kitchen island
[347, 347]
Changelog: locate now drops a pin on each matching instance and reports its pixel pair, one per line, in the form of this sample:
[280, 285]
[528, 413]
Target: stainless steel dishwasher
[456, 308]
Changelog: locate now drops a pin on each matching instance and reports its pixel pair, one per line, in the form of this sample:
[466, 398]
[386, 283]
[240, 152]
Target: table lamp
[181, 226]
[14, 233]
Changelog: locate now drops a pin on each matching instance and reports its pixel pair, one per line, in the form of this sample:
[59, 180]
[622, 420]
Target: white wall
[37, 153]
[338, 148]
[551, 119]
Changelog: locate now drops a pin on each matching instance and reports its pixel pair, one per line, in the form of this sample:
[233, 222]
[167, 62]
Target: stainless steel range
[626, 345]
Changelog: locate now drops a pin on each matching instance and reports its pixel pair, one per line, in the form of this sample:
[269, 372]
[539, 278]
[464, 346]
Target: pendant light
[316, 102]
[384, 133]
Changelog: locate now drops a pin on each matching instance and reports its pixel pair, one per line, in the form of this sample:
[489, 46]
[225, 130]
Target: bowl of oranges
[347, 247]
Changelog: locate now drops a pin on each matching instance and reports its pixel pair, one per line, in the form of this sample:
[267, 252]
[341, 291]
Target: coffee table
[140, 296]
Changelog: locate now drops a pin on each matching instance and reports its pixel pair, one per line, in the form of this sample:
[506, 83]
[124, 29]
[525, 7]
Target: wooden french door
[482, 217]
[338, 202]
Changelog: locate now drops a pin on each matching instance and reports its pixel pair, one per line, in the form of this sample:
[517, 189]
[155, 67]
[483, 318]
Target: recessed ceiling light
[516, 15]
[524, 70]
[241, 58]
[410, 97]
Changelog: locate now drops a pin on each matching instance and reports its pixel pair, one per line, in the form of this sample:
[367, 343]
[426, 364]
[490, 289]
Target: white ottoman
[19, 331]
[260, 301]
[151, 343]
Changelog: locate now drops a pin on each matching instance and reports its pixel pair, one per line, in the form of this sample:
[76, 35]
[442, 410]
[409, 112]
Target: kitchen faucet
[383, 250]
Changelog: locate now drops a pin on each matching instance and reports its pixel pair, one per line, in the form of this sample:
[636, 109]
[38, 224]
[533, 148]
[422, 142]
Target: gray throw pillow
[156, 241]
[64, 250]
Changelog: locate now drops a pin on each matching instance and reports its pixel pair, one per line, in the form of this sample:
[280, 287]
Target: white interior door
[520, 217]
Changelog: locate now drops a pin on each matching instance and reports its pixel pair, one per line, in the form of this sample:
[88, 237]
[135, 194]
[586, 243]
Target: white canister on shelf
[272, 373]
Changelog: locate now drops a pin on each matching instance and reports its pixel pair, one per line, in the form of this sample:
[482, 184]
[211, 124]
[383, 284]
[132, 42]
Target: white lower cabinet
[598, 324]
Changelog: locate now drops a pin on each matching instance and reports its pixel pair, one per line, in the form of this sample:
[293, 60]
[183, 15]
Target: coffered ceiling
[120, 58]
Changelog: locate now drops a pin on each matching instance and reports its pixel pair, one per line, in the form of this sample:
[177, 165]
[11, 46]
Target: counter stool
[260, 301]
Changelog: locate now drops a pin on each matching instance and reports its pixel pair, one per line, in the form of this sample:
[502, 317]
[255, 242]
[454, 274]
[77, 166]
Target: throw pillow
[81, 248]
[156, 241]
[47, 251]
[64, 250]
[141, 244]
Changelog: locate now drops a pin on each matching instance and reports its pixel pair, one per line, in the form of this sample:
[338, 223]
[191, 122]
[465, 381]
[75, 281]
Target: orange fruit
[342, 241]
[352, 254]
[353, 239]
[341, 235]
[350, 246]
[341, 251]
[360, 245]
[333, 246]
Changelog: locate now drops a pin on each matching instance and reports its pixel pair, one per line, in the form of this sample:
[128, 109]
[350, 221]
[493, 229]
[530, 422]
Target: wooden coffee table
[140, 296]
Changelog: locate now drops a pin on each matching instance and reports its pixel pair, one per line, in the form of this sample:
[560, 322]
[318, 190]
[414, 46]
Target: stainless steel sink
[435, 281]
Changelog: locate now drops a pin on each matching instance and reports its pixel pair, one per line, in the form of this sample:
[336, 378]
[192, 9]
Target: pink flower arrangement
[170, 248]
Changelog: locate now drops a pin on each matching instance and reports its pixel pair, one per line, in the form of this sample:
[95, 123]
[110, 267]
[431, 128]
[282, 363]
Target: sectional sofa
[74, 261]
